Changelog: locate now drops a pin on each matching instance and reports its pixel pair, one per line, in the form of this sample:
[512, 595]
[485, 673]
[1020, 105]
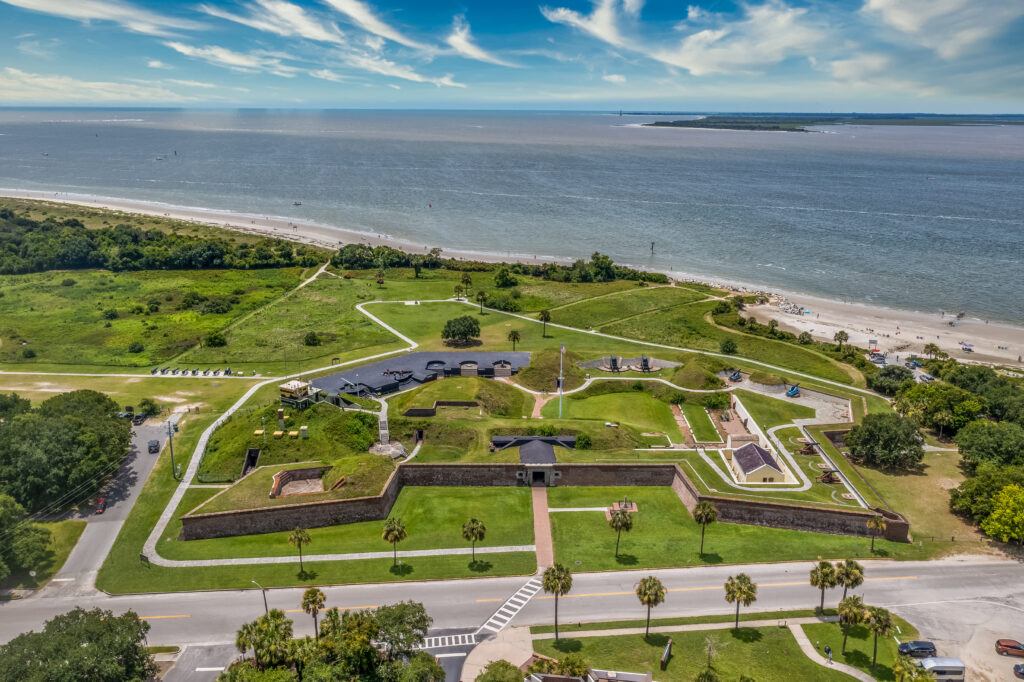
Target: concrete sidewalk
[542, 529]
[691, 627]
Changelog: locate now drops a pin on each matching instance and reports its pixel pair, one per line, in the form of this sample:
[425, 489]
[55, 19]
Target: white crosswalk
[497, 622]
[443, 641]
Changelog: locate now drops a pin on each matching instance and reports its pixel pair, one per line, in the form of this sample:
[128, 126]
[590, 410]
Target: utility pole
[561, 377]
[170, 443]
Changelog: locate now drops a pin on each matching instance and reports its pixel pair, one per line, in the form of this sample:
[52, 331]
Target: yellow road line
[180, 615]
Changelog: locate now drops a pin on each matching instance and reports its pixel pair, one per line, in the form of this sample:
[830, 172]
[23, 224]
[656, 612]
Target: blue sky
[763, 55]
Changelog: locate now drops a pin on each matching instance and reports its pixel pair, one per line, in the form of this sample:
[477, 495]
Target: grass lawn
[272, 339]
[769, 412]
[495, 398]
[595, 312]
[860, 645]
[664, 535]
[433, 517]
[765, 654]
[67, 324]
[745, 616]
[638, 409]
[63, 537]
[703, 428]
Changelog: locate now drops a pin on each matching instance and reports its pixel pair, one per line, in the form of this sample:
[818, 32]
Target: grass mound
[542, 374]
[766, 378]
[695, 374]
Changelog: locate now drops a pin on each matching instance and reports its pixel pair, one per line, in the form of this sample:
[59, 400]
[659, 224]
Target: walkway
[542, 528]
[812, 653]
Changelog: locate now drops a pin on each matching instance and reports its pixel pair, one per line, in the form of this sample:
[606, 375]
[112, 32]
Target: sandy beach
[898, 332]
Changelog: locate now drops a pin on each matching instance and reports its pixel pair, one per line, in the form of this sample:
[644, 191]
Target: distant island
[800, 123]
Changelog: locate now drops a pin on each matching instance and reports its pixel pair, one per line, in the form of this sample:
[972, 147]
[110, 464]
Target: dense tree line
[61, 451]
[24, 546]
[600, 268]
[28, 245]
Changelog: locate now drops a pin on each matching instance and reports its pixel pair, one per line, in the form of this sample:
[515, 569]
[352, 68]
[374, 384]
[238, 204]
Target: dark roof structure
[534, 449]
[752, 457]
[536, 452]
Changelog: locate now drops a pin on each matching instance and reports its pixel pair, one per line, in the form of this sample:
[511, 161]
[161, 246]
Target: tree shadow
[711, 558]
[568, 646]
[746, 635]
[308, 575]
[401, 570]
[880, 551]
[626, 560]
[480, 566]
[656, 639]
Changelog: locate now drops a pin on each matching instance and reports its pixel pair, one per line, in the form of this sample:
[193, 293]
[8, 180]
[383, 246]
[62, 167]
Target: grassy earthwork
[701, 426]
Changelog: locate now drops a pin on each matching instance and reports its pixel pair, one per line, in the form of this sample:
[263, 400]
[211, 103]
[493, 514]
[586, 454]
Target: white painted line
[457, 655]
[61, 580]
[210, 670]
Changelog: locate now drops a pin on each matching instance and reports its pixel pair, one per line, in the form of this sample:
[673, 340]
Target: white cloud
[461, 40]
[766, 35]
[601, 23]
[129, 16]
[859, 67]
[192, 84]
[633, 7]
[250, 62]
[948, 27]
[157, 64]
[327, 75]
[38, 49]
[281, 18]
[18, 86]
[363, 16]
[872, 72]
[385, 67]
[616, 78]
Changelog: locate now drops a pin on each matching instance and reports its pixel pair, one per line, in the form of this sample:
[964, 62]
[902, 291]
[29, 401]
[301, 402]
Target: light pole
[170, 443]
[561, 377]
[266, 609]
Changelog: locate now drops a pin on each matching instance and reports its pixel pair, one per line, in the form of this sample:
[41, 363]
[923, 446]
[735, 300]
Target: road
[78, 575]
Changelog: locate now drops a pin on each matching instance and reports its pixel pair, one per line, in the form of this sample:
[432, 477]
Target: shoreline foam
[898, 331]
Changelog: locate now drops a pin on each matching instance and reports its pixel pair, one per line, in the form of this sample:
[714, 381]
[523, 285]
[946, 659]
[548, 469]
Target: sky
[712, 55]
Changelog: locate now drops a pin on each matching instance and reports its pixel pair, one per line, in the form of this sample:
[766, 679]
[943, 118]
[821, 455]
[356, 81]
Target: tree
[876, 526]
[557, 580]
[459, 290]
[975, 496]
[988, 441]
[394, 532]
[651, 592]
[380, 278]
[401, 628]
[80, 645]
[544, 316]
[467, 281]
[422, 667]
[823, 576]
[297, 538]
[312, 603]
[24, 545]
[245, 638]
[740, 589]
[932, 350]
[474, 531]
[504, 279]
[620, 520]
[573, 665]
[514, 338]
[500, 671]
[1006, 522]
[887, 441]
[148, 407]
[850, 575]
[880, 624]
[272, 636]
[481, 298]
[728, 346]
[805, 339]
[705, 513]
[311, 339]
[215, 340]
[840, 338]
[891, 379]
[938, 405]
[851, 612]
[11, 405]
[461, 330]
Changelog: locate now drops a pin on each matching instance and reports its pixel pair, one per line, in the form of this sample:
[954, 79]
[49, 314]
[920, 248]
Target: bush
[716, 401]
[584, 441]
[68, 282]
[505, 300]
[28, 353]
[110, 314]
[148, 407]
[503, 279]
[311, 339]
[215, 340]
[974, 496]
[136, 347]
[805, 339]
[728, 346]
[891, 379]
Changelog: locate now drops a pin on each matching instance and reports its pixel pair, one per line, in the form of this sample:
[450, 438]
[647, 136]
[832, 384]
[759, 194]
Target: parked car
[1018, 671]
[1009, 647]
[101, 505]
[154, 447]
[917, 649]
[139, 419]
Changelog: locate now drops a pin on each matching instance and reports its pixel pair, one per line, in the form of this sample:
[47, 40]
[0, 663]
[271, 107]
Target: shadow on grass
[479, 566]
[862, 660]
[711, 558]
[880, 552]
[307, 575]
[568, 646]
[626, 560]
[401, 570]
[655, 639]
[746, 635]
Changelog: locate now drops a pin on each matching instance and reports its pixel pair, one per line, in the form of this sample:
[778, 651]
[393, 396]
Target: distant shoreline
[997, 343]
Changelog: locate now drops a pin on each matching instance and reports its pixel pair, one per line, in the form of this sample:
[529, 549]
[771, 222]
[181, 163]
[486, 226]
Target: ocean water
[924, 218]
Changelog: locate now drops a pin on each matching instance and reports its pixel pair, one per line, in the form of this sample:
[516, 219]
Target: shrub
[716, 401]
[136, 347]
[110, 314]
[215, 340]
[504, 301]
[28, 353]
[805, 339]
[891, 379]
[503, 279]
[728, 346]
[584, 441]
[311, 339]
[148, 407]
[68, 282]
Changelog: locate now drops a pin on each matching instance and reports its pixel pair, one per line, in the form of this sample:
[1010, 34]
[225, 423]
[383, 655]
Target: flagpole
[561, 378]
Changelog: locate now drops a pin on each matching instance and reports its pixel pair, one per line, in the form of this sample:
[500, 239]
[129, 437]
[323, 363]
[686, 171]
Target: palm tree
[302, 652]
[823, 576]
[330, 626]
[544, 316]
[467, 281]
[297, 538]
[620, 520]
[850, 575]
[394, 532]
[851, 612]
[245, 639]
[312, 602]
[932, 349]
[459, 290]
[651, 593]
[273, 634]
[905, 670]
[474, 531]
[514, 337]
[557, 580]
[481, 298]
[840, 338]
[380, 278]
[876, 525]
[740, 589]
[705, 514]
[879, 622]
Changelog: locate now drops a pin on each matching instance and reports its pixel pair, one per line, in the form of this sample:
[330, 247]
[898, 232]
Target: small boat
[296, 203]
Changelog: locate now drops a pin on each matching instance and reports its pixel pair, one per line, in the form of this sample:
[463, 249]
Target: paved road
[202, 662]
[78, 575]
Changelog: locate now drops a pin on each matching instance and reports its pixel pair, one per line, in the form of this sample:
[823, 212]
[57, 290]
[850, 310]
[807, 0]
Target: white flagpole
[561, 378]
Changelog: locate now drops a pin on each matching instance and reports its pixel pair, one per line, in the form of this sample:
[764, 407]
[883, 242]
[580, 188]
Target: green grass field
[495, 398]
[703, 428]
[765, 654]
[640, 410]
[664, 535]
[859, 646]
[746, 615]
[63, 538]
[769, 412]
[66, 324]
[596, 312]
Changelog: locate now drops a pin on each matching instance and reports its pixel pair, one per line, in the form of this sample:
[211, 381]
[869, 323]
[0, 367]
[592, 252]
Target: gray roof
[536, 452]
[420, 366]
[752, 457]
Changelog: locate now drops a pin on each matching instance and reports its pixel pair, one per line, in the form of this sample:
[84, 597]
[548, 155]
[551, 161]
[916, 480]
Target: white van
[944, 669]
